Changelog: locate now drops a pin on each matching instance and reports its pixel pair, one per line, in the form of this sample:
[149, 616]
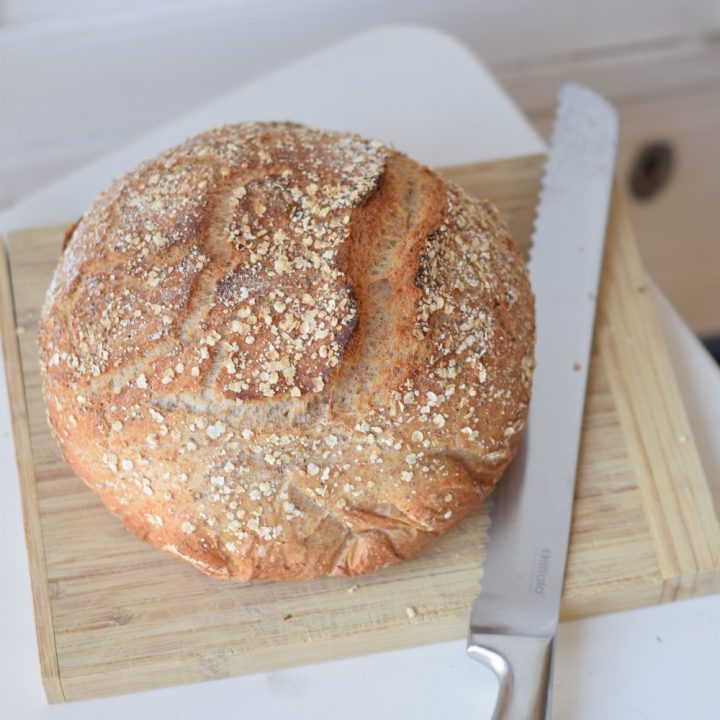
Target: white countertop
[434, 100]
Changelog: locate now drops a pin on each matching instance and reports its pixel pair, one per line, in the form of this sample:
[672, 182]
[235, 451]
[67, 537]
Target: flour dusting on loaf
[279, 352]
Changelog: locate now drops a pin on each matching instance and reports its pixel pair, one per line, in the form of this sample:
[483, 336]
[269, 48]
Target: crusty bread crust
[279, 352]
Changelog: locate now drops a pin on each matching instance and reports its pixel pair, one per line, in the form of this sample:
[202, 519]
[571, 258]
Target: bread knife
[515, 616]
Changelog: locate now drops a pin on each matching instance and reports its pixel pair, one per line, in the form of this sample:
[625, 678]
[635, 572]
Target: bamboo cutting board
[114, 615]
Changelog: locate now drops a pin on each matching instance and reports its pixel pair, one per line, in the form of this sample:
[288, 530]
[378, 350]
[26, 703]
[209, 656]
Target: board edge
[671, 477]
[34, 543]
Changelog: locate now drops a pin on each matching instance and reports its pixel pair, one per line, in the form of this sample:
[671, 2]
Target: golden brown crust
[279, 352]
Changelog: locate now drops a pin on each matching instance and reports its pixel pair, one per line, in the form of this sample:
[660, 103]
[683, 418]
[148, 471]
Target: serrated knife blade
[515, 616]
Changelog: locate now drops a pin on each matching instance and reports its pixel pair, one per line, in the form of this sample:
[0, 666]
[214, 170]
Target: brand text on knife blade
[542, 569]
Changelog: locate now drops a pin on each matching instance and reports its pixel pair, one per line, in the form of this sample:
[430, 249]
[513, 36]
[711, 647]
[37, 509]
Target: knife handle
[523, 666]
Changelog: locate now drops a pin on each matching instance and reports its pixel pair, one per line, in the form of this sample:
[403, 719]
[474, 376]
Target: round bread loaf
[280, 352]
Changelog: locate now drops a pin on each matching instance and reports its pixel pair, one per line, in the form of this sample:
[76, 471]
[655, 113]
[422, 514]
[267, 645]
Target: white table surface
[428, 95]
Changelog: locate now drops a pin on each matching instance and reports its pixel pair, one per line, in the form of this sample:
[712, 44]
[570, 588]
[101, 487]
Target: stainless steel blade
[524, 565]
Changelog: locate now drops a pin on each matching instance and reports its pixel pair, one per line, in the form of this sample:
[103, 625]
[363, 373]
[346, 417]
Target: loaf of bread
[279, 352]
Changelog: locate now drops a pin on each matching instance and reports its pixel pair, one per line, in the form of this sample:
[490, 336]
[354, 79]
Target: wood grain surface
[114, 615]
[665, 91]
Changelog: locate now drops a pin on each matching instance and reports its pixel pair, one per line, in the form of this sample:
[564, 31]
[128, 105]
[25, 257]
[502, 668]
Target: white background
[80, 77]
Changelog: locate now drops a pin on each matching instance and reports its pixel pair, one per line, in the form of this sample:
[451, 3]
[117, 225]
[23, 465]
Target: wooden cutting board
[114, 615]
